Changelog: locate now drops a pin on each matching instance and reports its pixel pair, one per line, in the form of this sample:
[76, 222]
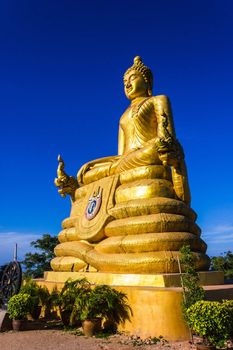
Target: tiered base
[155, 299]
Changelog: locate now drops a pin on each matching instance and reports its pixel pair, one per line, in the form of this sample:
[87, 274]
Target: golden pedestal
[155, 299]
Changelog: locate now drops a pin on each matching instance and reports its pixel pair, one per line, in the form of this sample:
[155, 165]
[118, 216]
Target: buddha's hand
[170, 151]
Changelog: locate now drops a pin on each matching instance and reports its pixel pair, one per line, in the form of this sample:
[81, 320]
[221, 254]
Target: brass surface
[147, 188]
[150, 242]
[146, 172]
[131, 212]
[161, 222]
[147, 206]
[207, 278]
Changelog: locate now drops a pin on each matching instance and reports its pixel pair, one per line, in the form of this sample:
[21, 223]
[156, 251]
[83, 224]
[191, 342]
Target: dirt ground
[60, 340]
[46, 337]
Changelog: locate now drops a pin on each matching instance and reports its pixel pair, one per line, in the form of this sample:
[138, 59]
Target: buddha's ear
[149, 91]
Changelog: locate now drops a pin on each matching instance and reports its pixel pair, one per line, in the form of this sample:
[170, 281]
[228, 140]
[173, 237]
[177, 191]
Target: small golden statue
[131, 212]
[67, 184]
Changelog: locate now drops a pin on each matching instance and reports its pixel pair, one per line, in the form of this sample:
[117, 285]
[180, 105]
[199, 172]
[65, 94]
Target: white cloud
[219, 229]
[7, 243]
[219, 238]
[224, 238]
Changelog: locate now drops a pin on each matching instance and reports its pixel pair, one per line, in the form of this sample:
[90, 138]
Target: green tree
[223, 263]
[38, 262]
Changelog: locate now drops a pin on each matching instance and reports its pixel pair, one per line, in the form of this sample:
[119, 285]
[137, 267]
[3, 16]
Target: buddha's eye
[132, 77]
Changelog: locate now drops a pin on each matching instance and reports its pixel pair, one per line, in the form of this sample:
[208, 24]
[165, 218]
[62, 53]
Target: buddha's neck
[137, 100]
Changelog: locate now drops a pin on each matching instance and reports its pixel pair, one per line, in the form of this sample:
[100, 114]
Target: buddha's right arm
[121, 141]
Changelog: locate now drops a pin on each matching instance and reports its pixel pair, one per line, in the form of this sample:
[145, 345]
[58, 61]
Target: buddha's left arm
[146, 153]
[163, 113]
[169, 149]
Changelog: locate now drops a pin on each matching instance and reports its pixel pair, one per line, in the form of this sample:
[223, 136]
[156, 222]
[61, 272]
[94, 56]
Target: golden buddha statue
[131, 212]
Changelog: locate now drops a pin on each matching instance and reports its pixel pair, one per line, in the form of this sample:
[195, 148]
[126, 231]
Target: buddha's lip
[129, 89]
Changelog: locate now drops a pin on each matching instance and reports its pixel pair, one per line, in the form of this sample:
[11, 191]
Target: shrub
[19, 306]
[39, 294]
[70, 291]
[211, 320]
[229, 305]
[65, 299]
[190, 279]
[105, 302]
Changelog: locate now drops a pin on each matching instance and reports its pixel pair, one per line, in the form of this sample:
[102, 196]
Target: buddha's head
[138, 80]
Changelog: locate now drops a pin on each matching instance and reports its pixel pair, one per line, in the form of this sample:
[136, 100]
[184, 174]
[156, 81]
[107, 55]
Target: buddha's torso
[139, 124]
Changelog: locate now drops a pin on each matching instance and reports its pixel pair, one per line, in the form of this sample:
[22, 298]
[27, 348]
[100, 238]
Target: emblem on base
[94, 204]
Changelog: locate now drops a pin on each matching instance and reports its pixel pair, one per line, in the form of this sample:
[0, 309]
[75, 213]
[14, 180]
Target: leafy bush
[39, 294]
[105, 302]
[52, 301]
[229, 305]
[19, 306]
[211, 320]
[192, 291]
[78, 301]
[69, 292]
[65, 299]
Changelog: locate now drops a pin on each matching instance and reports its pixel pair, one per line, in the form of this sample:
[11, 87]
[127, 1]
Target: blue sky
[61, 68]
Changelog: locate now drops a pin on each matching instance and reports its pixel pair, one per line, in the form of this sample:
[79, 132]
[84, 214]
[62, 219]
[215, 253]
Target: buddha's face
[135, 85]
